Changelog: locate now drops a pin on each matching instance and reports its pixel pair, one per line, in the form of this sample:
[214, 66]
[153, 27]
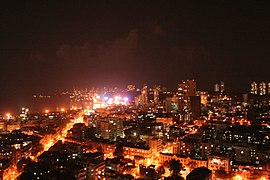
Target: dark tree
[175, 167]
[119, 151]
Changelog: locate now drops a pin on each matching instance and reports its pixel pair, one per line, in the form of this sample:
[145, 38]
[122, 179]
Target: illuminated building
[165, 120]
[185, 90]
[262, 88]
[155, 144]
[218, 163]
[204, 97]
[106, 147]
[186, 161]
[95, 166]
[144, 95]
[254, 88]
[176, 147]
[6, 153]
[156, 91]
[137, 151]
[268, 86]
[216, 87]
[169, 105]
[243, 153]
[3, 126]
[222, 87]
[81, 99]
[142, 99]
[14, 125]
[131, 87]
[110, 128]
[151, 97]
[113, 166]
[24, 115]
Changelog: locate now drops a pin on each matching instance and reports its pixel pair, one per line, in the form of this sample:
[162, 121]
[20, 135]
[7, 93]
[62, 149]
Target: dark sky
[48, 45]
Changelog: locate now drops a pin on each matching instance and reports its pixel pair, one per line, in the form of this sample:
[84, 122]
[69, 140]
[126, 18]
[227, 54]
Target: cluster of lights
[102, 102]
[8, 116]
[48, 110]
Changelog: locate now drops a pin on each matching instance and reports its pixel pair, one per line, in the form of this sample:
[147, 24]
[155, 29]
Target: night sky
[49, 45]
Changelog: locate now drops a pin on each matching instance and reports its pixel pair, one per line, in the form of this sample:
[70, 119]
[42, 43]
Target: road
[47, 142]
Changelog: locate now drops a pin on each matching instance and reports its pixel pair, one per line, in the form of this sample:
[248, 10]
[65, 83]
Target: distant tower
[216, 87]
[222, 87]
[131, 87]
[24, 115]
[262, 88]
[156, 90]
[254, 88]
[185, 90]
[144, 94]
[3, 126]
[268, 88]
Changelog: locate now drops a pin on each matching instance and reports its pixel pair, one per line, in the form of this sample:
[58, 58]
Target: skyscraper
[195, 106]
[156, 90]
[262, 88]
[222, 87]
[24, 115]
[216, 87]
[144, 94]
[185, 90]
[110, 128]
[254, 88]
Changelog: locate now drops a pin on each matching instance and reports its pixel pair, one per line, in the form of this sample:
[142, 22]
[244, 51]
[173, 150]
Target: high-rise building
[131, 87]
[254, 88]
[156, 91]
[216, 87]
[24, 115]
[195, 106]
[110, 128]
[185, 90]
[262, 88]
[268, 88]
[3, 126]
[222, 87]
[204, 96]
[144, 95]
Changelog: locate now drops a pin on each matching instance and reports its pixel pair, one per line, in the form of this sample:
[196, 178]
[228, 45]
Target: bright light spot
[8, 115]
[237, 177]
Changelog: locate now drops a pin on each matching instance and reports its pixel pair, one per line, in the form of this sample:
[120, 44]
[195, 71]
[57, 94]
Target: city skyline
[148, 130]
[55, 100]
